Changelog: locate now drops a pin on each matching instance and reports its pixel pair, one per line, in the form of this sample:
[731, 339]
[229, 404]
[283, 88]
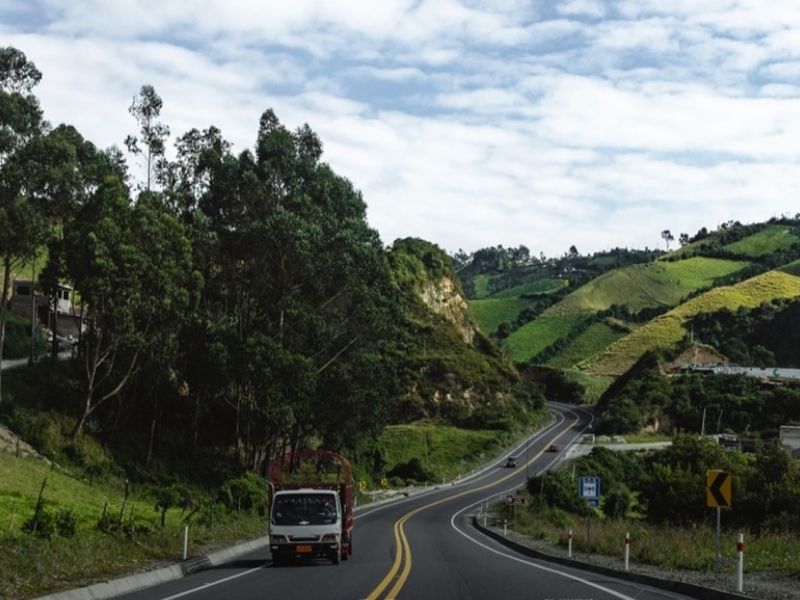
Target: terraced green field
[490, 312]
[527, 341]
[538, 287]
[586, 345]
[659, 283]
[667, 330]
[770, 239]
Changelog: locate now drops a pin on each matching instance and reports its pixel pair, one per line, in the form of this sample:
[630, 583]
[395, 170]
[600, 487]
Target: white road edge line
[528, 562]
[212, 584]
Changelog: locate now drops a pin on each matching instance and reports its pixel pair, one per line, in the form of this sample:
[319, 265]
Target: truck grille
[300, 538]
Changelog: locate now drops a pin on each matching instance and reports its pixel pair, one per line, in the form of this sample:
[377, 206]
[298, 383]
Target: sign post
[718, 495]
[589, 489]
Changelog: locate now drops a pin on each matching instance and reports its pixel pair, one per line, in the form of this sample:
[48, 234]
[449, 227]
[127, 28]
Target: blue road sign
[589, 487]
[594, 502]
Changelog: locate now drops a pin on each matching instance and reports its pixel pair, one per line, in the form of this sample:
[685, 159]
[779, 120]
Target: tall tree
[132, 267]
[20, 122]
[145, 109]
[667, 236]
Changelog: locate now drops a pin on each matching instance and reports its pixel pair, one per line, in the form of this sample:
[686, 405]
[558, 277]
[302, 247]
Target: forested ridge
[232, 301]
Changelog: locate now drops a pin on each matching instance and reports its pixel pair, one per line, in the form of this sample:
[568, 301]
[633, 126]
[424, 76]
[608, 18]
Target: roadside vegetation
[429, 452]
[659, 498]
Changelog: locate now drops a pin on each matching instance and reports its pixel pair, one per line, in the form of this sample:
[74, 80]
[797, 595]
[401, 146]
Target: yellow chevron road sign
[718, 489]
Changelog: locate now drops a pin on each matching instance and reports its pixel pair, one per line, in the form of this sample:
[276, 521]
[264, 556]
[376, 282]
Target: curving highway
[424, 547]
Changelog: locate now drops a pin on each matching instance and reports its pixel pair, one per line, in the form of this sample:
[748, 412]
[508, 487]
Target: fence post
[185, 541]
[627, 551]
[505, 527]
[740, 563]
[569, 545]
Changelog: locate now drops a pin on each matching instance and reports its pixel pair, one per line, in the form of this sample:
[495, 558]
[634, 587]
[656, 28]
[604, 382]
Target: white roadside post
[627, 551]
[740, 563]
[505, 527]
[569, 544]
[185, 541]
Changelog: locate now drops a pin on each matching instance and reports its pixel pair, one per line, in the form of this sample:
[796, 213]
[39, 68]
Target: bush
[411, 470]
[618, 502]
[66, 522]
[248, 492]
[42, 524]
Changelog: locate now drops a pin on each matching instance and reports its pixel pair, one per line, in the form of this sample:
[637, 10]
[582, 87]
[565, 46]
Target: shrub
[411, 470]
[66, 522]
[248, 492]
[42, 524]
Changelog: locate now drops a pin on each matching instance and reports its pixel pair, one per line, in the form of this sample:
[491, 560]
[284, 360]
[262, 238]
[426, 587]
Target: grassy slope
[21, 480]
[540, 286]
[587, 344]
[30, 566]
[770, 239]
[490, 312]
[659, 283]
[440, 448]
[667, 330]
[527, 341]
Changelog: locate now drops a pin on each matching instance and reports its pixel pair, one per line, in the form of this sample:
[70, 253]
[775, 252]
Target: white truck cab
[305, 522]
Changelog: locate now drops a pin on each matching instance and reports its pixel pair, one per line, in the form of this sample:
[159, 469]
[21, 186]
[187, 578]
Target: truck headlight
[330, 537]
[277, 539]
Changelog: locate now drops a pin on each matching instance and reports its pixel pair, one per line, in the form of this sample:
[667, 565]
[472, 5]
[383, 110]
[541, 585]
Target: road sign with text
[589, 487]
[718, 489]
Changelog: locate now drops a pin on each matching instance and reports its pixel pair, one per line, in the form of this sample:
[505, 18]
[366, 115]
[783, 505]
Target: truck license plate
[303, 548]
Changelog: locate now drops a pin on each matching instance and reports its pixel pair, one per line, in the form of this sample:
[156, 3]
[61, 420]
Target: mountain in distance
[596, 315]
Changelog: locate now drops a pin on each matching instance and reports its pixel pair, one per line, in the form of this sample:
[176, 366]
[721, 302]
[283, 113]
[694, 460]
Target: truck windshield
[304, 509]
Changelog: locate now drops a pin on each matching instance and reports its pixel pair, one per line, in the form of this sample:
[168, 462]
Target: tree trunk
[54, 348]
[3, 309]
[87, 410]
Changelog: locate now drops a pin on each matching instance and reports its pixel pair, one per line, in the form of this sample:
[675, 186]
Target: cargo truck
[311, 507]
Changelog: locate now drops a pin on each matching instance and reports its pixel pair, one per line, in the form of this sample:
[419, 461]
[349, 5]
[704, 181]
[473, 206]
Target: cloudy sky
[542, 122]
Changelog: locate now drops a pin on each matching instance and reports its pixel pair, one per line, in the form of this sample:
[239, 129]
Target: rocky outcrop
[442, 297]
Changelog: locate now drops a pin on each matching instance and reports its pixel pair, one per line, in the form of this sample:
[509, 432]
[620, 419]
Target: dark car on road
[511, 462]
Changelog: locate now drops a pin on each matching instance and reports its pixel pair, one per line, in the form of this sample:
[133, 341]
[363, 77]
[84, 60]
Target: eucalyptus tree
[302, 291]
[132, 266]
[20, 122]
[152, 134]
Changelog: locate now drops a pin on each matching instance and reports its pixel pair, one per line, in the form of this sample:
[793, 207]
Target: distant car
[511, 462]
[553, 448]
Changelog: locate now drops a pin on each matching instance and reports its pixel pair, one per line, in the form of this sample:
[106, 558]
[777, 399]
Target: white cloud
[586, 8]
[596, 128]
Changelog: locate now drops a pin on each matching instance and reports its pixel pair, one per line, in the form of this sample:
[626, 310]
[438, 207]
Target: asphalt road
[423, 547]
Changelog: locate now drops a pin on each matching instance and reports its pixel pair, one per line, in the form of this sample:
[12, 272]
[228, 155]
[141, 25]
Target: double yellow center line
[401, 567]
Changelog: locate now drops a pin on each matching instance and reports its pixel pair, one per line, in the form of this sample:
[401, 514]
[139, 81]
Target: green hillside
[635, 287]
[771, 239]
[597, 337]
[667, 330]
[658, 283]
[548, 285]
[526, 342]
[490, 312]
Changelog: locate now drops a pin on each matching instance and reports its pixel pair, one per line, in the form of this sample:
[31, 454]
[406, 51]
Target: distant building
[69, 320]
[790, 438]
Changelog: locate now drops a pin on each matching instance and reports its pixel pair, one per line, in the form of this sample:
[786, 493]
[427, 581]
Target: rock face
[451, 371]
[443, 297]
